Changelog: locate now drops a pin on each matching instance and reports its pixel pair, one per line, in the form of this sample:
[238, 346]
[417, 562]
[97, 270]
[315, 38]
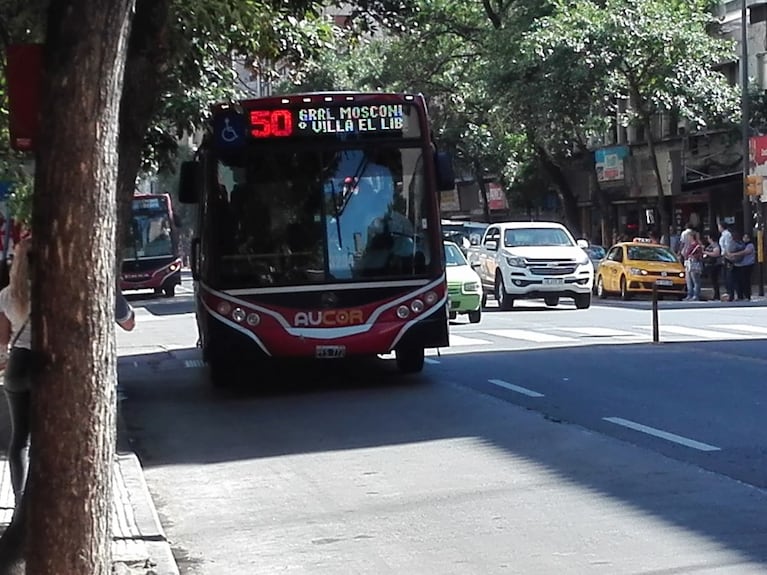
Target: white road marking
[193, 363]
[600, 332]
[662, 434]
[429, 360]
[526, 335]
[743, 327]
[697, 332]
[516, 388]
[456, 340]
[144, 316]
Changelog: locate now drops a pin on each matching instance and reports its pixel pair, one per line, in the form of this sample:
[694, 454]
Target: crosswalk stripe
[600, 331]
[527, 335]
[743, 327]
[456, 340]
[696, 332]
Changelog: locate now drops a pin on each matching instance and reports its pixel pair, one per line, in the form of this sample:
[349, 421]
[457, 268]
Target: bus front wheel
[410, 359]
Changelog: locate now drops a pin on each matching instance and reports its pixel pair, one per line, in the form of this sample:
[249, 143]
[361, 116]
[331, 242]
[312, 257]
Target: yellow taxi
[633, 267]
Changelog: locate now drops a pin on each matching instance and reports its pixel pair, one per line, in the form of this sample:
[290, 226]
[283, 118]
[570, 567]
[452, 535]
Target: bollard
[655, 330]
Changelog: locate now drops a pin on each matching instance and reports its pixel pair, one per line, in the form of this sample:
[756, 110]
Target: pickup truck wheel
[484, 300]
[551, 300]
[504, 301]
[583, 301]
[475, 316]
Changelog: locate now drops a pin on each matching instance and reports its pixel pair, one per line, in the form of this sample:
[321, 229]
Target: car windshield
[523, 237]
[595, 252]
[651, 254]
[454, 256]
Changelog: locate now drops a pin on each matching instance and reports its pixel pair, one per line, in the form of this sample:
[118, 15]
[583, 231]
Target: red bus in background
[151, 252]
[319, 230]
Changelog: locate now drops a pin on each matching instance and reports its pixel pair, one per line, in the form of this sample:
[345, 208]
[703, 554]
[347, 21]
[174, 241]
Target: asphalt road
[543, 441]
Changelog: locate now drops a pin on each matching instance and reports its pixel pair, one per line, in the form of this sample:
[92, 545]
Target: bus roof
[327, 97]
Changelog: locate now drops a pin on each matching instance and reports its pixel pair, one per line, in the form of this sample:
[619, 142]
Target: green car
[464, 288]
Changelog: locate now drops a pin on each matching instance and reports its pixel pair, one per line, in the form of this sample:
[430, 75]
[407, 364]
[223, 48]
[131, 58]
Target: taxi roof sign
[642, 241]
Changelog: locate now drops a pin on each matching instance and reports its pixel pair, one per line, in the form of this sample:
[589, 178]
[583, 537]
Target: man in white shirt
[726, 245]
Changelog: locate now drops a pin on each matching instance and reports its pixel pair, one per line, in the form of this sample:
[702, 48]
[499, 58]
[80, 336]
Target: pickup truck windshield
[524, 237]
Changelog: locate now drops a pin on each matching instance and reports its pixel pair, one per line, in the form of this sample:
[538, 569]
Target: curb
[147, 520]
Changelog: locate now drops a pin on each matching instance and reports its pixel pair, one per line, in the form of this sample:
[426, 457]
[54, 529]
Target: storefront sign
[609, 163]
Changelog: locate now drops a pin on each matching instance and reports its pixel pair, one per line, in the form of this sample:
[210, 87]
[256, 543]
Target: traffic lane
[688, 401]
[376, 475]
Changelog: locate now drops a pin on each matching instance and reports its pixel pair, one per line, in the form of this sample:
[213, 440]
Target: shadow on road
[292, 408]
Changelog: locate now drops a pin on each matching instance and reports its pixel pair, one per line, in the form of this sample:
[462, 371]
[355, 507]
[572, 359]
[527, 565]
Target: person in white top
[726, 247]
[18, 360]
[15, 334]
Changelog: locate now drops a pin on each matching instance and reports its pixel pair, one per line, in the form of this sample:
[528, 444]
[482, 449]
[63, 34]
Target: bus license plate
[553, 281]
[666, 283]
[330, 351]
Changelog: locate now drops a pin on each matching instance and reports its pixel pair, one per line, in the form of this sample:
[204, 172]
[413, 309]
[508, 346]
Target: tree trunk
[145, 69]
[665, 216]
[564, 190]
[482, 190]
[74, 217]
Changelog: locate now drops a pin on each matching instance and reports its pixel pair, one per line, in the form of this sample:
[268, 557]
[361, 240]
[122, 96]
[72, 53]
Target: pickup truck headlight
[515, 262]
[582, 261]
[471, 287]
[637, 272]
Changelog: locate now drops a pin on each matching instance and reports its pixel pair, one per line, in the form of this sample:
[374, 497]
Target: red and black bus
[151, 257]
[318, 230]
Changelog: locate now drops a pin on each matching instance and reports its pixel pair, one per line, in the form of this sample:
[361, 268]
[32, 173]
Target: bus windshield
[149, 233]
[292, 216]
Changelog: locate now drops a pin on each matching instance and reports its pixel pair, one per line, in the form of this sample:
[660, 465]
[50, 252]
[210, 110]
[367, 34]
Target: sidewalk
[139, 545]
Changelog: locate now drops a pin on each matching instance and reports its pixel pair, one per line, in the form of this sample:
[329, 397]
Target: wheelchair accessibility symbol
[228, 134]
[229, 130]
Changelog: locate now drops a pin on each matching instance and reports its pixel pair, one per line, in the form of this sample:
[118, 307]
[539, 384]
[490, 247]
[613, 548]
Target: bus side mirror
[190, 179]
[445, 173]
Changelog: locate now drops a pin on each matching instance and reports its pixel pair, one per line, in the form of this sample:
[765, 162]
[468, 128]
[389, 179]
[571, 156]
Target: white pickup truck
[527, 260]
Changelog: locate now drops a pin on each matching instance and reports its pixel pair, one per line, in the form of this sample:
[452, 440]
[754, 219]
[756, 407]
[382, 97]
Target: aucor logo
[328, 318]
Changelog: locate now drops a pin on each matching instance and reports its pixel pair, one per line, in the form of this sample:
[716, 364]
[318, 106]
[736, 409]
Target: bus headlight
[223, 308]
[238, 314]
[403, 311]
[417, 306]
[430, 298]
[253, 319]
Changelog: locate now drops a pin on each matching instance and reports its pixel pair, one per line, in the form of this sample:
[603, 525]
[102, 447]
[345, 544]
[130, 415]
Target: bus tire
[410, 359]
[220, 374]
[169, 289]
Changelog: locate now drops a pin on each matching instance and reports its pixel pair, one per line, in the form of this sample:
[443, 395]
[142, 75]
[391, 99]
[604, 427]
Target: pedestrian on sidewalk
[15, 336]
[746, 258]
[693, 265]
[726, 246]
[712, 263]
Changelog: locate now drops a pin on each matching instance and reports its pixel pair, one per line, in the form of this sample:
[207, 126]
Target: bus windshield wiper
[353, 183]
[337, 213]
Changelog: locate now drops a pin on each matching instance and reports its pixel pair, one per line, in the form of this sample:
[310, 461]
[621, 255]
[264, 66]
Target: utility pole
[744, 113]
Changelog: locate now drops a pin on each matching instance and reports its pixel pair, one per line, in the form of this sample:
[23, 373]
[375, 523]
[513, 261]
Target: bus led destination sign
[371, 118]
[353, 119]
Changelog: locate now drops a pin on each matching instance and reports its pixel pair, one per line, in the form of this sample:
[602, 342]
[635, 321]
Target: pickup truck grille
[547, 267]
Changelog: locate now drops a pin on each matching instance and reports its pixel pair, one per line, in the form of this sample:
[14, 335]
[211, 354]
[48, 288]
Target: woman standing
[743, 267]
[712, 263]
[15, 334]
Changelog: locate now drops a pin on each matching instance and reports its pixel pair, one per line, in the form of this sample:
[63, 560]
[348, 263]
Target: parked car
[596, 254]
[526, 260]
[633, 267]
[464, 288]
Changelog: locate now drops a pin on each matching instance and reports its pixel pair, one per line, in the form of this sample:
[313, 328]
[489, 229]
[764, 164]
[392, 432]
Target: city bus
[151, 256]
[318, 230]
